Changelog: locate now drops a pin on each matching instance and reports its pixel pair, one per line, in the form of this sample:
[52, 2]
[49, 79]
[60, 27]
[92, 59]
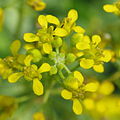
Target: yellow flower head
[31, 72]
[91, 55]
[69, 22]
[76, 90]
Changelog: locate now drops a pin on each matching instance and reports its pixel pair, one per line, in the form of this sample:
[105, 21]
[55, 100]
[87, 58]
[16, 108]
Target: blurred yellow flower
[38, 116]
[37, 5]
[113, 8]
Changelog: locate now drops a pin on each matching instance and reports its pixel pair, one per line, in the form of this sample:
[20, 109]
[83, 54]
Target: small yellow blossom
[91, 55]
[76, 90]
[32, 72]
[69, 22]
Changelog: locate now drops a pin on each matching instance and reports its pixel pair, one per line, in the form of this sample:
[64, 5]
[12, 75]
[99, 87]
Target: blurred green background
[20, 18]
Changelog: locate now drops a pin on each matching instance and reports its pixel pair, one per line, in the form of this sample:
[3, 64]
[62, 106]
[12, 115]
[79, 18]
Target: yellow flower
[69, 23]
[76, 90]
[38, 116]
[37, 5]
[112, 8]
[91, 55]
[31, 72]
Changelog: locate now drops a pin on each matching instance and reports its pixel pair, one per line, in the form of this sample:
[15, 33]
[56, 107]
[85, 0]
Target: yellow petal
[82, 45]
[37, 87]
[77, 107]
[15, 46]
[45, 67]
[28, 46]
[107, 55]
[30, 37]
[14, 77]
[28, 60]
[43, 21]
[60, 32]
[91, 87]
[79, 54]
[47, 48]
[79, 29]
[96, 39]
[66, 94]
[109, 8]
[52, 19]
[98, 68]
[86, 39]
[79, 76]
[73, 15]
[34, 66]
[86, 63]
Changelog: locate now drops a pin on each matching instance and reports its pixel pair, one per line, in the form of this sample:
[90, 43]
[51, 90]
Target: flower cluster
[113, 8]
[91, 55]
[47, 50]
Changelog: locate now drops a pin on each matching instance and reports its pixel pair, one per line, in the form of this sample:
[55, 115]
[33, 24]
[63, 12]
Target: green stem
[57, 50]
[61, 75]
[22, 99]
[66, 68]
[21, 12]
[48, 92]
